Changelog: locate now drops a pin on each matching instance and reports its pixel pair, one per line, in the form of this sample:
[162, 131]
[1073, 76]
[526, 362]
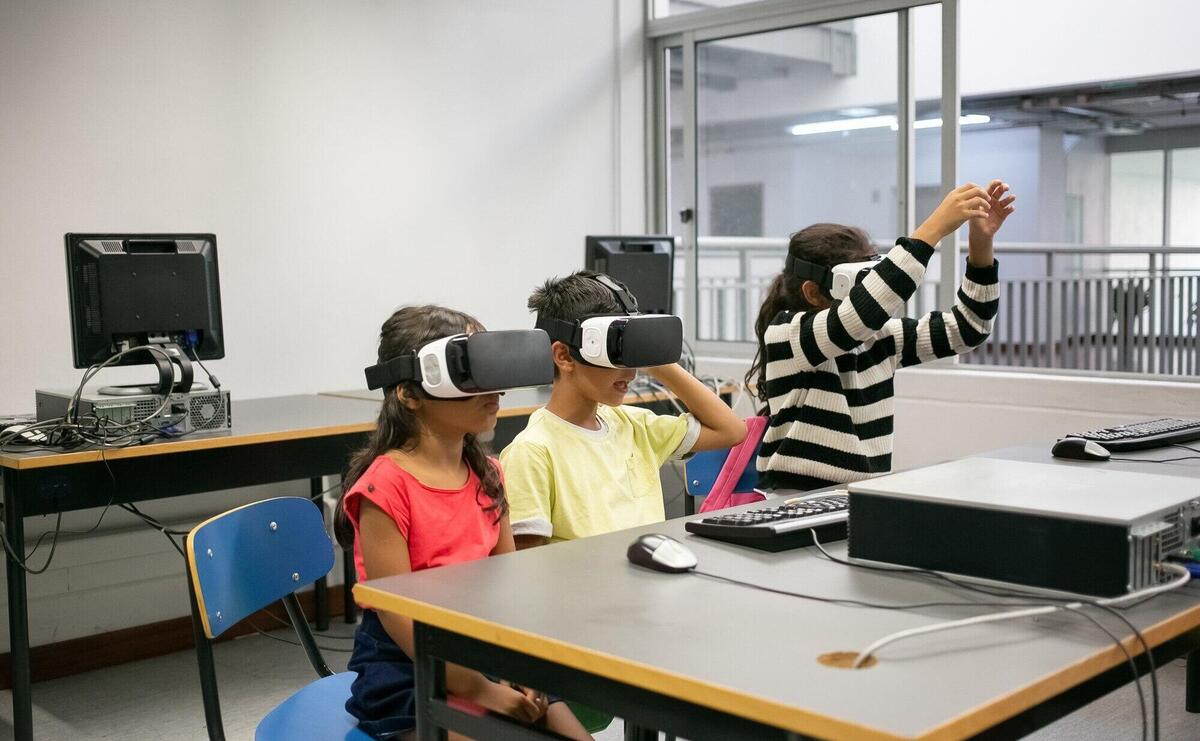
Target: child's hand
[1000, 207]
[515, 704]
[964, 202]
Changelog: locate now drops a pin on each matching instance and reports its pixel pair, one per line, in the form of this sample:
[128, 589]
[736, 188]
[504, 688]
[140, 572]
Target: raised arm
[940, 334]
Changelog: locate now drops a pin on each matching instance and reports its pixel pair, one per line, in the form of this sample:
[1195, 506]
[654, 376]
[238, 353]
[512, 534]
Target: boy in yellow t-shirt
[586, 464]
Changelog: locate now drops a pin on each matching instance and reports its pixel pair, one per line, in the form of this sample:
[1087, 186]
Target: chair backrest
[252, 556]
[738, 473]
[703, 468]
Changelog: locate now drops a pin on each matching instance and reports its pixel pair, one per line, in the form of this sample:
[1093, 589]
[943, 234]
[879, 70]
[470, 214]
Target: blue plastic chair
[242, 561]
[701, 471]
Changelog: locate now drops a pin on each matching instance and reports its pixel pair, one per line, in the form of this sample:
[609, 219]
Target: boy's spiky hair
[574, 296]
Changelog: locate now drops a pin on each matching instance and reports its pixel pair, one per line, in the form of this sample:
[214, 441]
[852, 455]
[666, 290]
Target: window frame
[688, 30]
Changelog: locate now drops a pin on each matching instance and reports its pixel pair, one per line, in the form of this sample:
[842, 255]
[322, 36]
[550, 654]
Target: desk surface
[581, 603]
[523, 402]
[254, 421]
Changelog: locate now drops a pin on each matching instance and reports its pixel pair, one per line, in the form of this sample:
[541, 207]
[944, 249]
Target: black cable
[1132, 668]
[1185, 447]
[1156, 460]
[216, 384]
[22, 563]
[265, 634]
[1017, 594]
[860, 603]
[323, 634]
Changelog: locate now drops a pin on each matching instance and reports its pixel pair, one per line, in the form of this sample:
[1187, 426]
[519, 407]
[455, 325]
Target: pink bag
[722, 494]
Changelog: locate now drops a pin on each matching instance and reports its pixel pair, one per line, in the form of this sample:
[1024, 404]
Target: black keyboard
[1154, 433]
[779, 526]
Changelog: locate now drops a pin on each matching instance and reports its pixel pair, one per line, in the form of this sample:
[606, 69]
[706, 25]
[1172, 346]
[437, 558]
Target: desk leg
[349, 578]
[637, 733]
[1192, 690]
[321, 586]
[18, 613]
[430, 685]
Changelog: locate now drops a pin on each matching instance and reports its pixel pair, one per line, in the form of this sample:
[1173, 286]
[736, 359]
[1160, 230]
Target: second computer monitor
[643, 263]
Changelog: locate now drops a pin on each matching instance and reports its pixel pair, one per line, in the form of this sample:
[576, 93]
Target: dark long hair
[824, 244]
[398, 428]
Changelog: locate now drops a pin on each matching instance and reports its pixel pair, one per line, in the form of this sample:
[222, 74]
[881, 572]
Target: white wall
[350, 157]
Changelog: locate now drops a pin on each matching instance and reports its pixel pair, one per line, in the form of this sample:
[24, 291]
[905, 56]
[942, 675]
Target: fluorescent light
[967, 120]
[878, 122]
[844, 124]
[858, 112]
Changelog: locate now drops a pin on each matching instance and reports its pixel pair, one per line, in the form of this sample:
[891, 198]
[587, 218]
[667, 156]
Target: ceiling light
[878, 122]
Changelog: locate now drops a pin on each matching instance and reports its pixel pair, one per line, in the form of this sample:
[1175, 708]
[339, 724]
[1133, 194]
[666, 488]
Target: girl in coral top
[422, 494]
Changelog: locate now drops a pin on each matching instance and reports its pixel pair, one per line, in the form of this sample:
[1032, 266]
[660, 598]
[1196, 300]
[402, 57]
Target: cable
[1183, 577]
[1157, 460]
[1018, 594]
[1137, 682]
[216, 384]
[295, 643]
[287, 624]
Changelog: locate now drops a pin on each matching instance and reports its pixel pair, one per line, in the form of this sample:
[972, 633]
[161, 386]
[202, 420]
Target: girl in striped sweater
[824, 368]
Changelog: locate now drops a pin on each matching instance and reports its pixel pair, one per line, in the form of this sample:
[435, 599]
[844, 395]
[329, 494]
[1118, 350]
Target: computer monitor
[129, 290]
[645, 264]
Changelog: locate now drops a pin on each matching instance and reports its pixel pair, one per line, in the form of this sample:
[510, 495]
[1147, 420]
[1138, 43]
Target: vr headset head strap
[628, 303]
[822, 275]
[393, 372]
[568, 333]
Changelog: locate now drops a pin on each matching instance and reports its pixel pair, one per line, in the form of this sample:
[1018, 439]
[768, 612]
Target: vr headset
[628, 340]
[835, 281]
[465, 365]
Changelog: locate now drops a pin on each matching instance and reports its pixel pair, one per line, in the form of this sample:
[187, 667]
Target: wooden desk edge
[633, 673]
[770, 713]
[96, 455]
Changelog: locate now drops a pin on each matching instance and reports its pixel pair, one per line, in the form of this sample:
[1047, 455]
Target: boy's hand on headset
[965, 202]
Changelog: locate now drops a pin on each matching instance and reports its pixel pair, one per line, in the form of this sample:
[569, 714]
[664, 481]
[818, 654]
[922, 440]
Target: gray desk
[279, 439]
[706, 659]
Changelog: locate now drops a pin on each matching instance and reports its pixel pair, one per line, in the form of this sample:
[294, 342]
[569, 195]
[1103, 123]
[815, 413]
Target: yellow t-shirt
[564, 481]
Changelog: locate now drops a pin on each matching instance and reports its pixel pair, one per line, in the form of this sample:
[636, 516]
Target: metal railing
[1122, 308]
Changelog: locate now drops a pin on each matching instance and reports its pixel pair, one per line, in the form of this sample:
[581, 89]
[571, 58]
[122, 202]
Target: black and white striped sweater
[829, 373]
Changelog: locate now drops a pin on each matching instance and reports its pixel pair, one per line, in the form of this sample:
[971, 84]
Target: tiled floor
[160, 698]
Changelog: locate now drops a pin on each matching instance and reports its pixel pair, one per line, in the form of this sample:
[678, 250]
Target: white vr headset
[835, 281]
[628, 340]
[465, 365]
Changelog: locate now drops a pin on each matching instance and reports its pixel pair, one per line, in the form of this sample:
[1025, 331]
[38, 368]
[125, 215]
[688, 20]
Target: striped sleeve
[940, 334]
[816, 336]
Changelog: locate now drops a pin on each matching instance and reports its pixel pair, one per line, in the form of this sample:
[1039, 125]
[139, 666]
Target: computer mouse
[661, 553]
[1078, 449]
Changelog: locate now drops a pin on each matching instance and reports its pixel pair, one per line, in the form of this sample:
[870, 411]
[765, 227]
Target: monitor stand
[166, 374]
[139, 389]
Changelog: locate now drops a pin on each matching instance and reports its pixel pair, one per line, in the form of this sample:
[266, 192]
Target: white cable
[1183, 577]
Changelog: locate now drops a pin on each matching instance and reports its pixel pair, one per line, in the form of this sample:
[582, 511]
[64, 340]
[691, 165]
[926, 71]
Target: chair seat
[316, 712]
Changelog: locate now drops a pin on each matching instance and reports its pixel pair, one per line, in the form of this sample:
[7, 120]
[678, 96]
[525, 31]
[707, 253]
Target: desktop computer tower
[1066, 527]
[192, 411]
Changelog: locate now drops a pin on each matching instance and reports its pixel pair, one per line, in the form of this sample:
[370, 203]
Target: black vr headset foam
[510, 359]
[651, 341]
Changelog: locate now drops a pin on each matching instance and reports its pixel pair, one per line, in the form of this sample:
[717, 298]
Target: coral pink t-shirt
[441, 526]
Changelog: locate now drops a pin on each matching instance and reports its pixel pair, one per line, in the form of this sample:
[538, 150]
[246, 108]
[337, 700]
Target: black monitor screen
[646, 265]
[131, 289]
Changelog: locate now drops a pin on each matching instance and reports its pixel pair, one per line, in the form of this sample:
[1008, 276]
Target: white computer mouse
[661, 553]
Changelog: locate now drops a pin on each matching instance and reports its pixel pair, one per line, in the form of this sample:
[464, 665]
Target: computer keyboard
[779, 526]
[1154, 433]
